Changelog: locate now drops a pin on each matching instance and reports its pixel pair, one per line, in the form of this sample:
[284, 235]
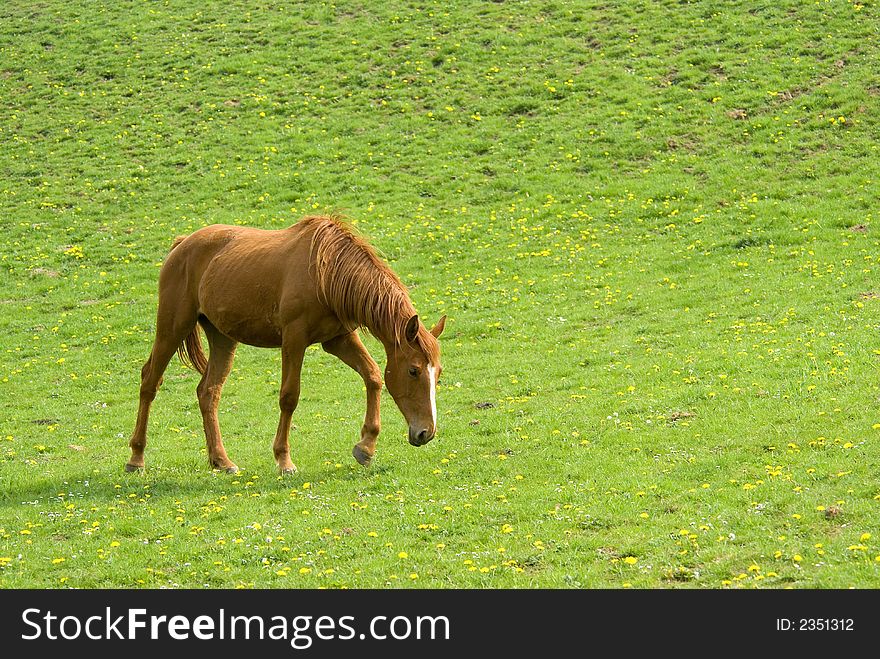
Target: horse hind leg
[175, 321]
[138, 441]
[222, 353]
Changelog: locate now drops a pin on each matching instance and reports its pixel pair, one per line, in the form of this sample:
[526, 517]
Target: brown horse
[314, 282]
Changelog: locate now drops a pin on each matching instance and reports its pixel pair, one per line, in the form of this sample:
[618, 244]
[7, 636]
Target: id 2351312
[815, 624]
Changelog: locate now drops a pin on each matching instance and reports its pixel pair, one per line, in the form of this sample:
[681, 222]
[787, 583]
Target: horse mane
[359, 287]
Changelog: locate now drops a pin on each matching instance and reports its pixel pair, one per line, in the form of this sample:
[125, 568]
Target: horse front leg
[352, 352]
[293, 350]
[364, 450]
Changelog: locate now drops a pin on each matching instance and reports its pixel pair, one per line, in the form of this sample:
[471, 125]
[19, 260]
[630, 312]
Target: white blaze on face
[432, 371]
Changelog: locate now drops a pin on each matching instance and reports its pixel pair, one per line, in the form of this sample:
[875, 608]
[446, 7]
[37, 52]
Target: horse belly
[243, 307]
[244, 328]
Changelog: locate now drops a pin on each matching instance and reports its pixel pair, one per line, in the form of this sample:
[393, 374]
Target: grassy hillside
[652, 226]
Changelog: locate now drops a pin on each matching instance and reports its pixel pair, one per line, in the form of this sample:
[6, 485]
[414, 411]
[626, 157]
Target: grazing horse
[314, 282]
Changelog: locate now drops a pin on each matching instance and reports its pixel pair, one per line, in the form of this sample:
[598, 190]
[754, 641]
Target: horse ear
[412, 329]
[437, 330]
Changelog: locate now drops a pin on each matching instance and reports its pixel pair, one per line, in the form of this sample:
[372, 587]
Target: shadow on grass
[183, 480]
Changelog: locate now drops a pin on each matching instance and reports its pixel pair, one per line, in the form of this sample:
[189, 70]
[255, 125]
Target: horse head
[411, 377]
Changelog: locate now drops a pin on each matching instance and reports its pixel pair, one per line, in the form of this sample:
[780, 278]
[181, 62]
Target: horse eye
[413, 371]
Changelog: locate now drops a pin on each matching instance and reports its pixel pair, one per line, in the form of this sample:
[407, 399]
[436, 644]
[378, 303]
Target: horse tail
[190, 351]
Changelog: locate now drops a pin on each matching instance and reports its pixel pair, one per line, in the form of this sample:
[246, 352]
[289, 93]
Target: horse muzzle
[420, 437]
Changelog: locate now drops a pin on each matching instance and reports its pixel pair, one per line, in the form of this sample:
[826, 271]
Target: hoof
[361, 456]
[130, 468]
[288, 470]
[231, 469]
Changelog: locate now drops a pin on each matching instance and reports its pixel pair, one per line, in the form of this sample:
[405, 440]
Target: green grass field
[651, 224]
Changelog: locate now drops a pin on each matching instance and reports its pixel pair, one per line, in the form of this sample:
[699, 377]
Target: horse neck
[382, 306]
[395, 310]
[354, 283]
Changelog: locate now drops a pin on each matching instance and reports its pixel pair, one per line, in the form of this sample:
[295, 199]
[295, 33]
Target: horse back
[247, 282]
